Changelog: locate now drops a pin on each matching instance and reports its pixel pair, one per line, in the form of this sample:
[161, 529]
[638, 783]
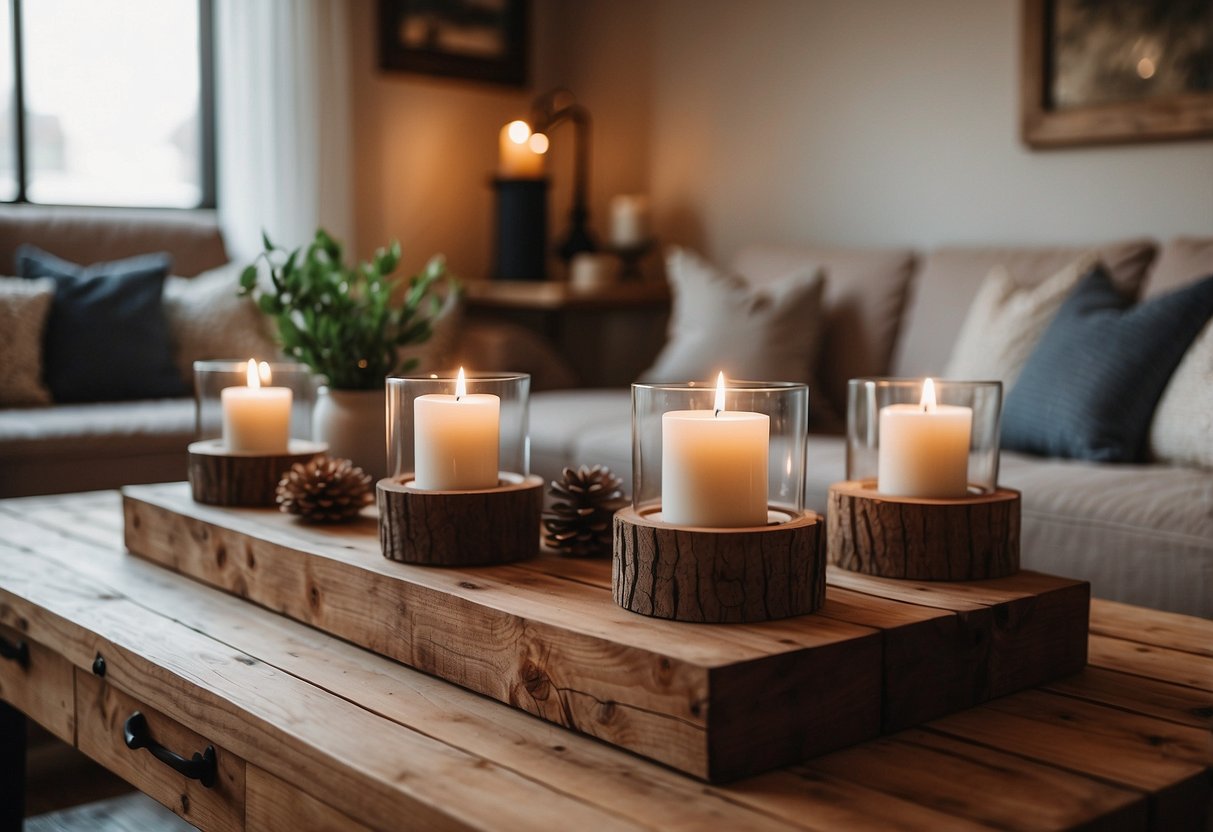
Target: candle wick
[458, 398]
[716, 414]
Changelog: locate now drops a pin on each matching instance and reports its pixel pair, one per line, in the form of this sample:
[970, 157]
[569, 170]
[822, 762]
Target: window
[109, 103]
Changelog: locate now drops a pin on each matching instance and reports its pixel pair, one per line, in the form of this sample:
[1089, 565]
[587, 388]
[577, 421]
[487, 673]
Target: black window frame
[206, 115]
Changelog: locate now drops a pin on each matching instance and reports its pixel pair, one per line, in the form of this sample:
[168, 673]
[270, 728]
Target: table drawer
[273, 804]
[104, 714]
[38, 681]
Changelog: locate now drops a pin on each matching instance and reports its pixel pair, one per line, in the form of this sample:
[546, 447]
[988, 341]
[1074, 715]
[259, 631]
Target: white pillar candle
[629, 221]
[714, 466]
[455, 440]
[924, 448]
[520, 152]
[256, 419]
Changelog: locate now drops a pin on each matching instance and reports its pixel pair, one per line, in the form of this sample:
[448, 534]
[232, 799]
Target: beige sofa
[82, 447]
[1139, 533]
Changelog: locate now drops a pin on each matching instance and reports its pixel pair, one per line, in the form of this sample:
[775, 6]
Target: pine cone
[324, 490]
[579, 522]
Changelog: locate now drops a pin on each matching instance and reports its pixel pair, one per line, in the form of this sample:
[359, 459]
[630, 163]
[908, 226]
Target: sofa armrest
[505, 346]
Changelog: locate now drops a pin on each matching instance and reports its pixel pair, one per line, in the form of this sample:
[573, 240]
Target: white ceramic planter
[354, 425]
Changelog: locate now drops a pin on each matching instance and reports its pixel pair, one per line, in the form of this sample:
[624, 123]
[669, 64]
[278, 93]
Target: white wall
[882, 122]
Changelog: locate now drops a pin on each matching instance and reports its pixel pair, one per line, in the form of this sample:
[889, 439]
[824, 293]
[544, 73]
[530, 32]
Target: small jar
[699, 460]
[443, 437]
[928, 438]
[248, 421]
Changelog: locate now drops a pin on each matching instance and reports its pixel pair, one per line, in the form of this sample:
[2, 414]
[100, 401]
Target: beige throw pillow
[24, 307]
[721, 322]
[1005, 321]
[1182, 430]
[207, 319]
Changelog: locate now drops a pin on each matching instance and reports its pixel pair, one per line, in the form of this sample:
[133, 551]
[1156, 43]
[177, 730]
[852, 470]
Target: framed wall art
[480, 40]
[1105, 71]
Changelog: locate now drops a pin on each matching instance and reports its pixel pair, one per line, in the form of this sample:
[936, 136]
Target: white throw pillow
[207, 319]
[1005, 322]
[24, 307]
[1182, 430]
[721, 322]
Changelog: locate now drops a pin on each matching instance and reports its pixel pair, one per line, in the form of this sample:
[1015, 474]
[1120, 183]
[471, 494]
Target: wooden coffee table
[310, 732]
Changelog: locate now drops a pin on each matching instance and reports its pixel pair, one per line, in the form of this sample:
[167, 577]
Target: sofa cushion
[578, 427]
[107, 337]
[24, 308]
[207, 319]
[1005, 322]
[1089, 389]
[948, 280]
[1179, 261]
[720, 322]
[110, 430]
[1182, 430]
[865, 293]
[90, 235]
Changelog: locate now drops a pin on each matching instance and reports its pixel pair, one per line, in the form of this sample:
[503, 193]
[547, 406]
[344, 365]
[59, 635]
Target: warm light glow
[720, 392]
[518, 131]
[461, 385]
[1145, 68]
[928, 396]
[538, 143]
[263, 370]
[250, 376]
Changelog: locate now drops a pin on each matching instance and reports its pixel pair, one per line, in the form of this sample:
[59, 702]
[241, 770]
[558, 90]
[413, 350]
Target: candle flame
[461, 385]
[928, 396]
[719, 393]
[263, 370]
[251, 378]
[518, 131]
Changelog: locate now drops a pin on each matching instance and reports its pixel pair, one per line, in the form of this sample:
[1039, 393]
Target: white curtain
[282, 91]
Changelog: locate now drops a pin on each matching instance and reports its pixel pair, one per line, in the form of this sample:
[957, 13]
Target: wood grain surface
[365, 738]
[913, 538]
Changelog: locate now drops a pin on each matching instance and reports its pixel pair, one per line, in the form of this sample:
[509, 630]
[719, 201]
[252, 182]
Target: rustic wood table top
[310, 732]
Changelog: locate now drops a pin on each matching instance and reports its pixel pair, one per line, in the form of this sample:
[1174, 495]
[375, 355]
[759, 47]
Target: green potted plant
[351, 326]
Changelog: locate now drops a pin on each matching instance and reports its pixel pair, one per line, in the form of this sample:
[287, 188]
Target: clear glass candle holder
[441, 441]
[211, 378]
[740, 467]
[911, 446]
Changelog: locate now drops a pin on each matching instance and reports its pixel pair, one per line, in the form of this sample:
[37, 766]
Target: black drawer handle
[18, 652]
[200, 767]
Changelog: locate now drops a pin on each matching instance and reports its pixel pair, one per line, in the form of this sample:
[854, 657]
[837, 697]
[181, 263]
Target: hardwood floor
[132, 812]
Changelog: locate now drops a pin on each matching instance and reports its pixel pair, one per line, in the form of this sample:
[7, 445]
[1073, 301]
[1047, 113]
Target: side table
[608, 335]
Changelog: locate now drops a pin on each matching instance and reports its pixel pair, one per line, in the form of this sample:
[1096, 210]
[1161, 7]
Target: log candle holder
[961, 539]
[704, 575]
[220, 477]
[460, 528]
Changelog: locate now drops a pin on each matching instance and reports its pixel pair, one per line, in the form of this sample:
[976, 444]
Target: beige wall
[425, 148]
[883, 121]
[843, 121]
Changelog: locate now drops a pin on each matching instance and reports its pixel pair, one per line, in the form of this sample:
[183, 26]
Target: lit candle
[924, 448]
[714, 466]
[256, 418]
[520, 152]
[629, 221]
[455, 439]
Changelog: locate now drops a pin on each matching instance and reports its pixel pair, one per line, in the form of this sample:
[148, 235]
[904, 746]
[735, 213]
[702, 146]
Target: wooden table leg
[12, 768]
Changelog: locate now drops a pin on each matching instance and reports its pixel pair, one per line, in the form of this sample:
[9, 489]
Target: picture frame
[1081, 85]
[476, 40]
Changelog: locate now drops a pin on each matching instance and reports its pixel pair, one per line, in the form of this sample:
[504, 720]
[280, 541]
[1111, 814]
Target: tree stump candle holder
[460, 528]
[718, 576]
[916, 538]
[221, 477]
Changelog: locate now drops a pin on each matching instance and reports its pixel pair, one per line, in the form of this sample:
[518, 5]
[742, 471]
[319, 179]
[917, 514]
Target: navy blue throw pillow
[107, 337]
[1089, 389]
